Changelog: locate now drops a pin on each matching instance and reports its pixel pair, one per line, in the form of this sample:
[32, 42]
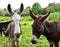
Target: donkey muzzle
[18, 35]
[33, 41]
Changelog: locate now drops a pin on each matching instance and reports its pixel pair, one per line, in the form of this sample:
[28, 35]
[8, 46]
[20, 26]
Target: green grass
[54, 17]
[27, 32]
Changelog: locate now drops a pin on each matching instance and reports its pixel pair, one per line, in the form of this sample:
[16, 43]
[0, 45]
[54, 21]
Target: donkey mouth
[18, 35]
[34, 42]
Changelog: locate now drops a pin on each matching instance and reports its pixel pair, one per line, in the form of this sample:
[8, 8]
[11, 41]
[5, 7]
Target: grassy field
[27, 32]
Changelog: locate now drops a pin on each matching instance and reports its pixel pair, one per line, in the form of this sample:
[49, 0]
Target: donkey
[13, 30]
[51, 30]
[2, 26]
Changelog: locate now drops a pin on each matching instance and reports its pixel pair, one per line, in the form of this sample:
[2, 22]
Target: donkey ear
[9, 9]
[21, 8]
[32, 15]
[35, 18]
[46, 15]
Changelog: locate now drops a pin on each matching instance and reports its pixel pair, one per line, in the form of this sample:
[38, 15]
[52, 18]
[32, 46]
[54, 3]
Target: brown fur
[51, 30]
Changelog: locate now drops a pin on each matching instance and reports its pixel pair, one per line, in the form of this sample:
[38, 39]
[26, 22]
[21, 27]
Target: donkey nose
[33, 41]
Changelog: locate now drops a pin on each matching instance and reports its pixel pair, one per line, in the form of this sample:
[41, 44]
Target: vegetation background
[27, 21]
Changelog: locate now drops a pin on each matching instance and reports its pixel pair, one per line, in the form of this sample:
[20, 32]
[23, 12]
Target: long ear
[46, 15]
[9, 9]
[32, 15]
[35, 18]
[21, 8]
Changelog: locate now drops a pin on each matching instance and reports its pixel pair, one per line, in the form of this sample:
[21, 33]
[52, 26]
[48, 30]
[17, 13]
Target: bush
[36, 8]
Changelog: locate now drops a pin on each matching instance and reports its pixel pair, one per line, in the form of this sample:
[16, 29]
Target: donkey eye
[18, 13]
[39, 29]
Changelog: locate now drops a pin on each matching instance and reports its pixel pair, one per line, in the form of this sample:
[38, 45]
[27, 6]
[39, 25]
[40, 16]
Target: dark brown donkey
[42, 27]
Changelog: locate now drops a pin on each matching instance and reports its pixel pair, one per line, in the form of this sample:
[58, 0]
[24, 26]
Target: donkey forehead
[16, 15]
[35, 24]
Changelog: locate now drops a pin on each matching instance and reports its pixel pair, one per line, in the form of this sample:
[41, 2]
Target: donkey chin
[34, 39]
[34, 42]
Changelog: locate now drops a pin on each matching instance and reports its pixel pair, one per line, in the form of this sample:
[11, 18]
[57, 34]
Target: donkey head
[16, 16]
[37, 26]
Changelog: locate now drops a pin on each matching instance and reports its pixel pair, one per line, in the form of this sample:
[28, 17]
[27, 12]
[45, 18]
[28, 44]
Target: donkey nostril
[33, 41]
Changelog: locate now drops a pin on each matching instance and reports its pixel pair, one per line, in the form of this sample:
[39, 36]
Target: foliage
[27, 9]
[53, 7]
[36, 8]
[51, 4]
[43, 11]
[1, 12]
[57, 7]
[4, 12]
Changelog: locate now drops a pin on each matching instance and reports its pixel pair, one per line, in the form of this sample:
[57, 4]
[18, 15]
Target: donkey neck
[45, 28]
[48, 28]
